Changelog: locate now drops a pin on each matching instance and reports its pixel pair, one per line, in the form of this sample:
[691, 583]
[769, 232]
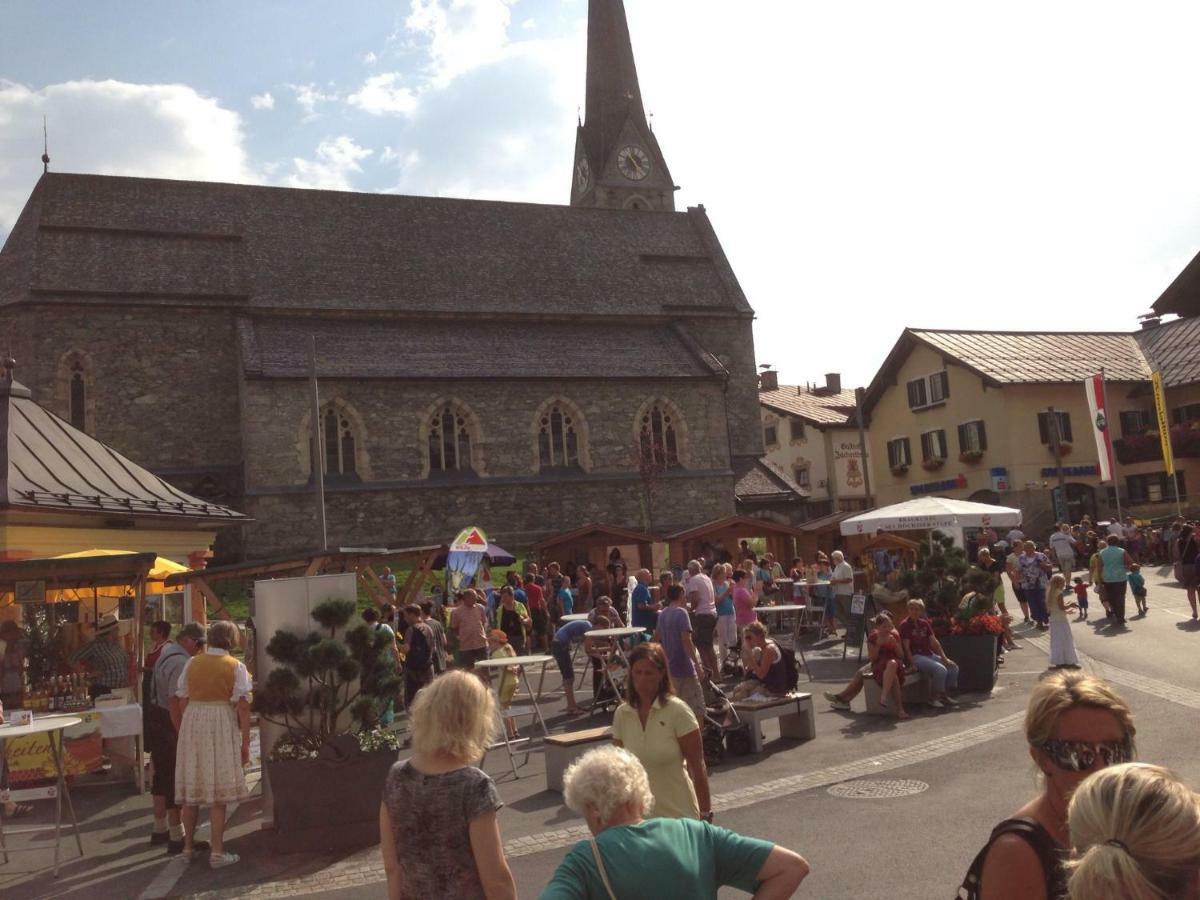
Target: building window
[972, 437]
[558, 439]
[802, 477]
[78, 397]
[337, 442]
[771, 435]
[928, 390]
[1136, 422]
[450, 440]
[1045, 430]
[899, 453]
[1183, 415]
[1155, 487]
[657, 437]
[933, 445]
[797, 429]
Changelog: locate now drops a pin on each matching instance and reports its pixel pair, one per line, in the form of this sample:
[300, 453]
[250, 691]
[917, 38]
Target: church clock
[633, 162]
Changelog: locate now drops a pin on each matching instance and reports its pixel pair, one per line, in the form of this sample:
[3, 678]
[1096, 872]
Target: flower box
[976, 656]
[970, 456]
[899, 470]
[932, 465]
[330, 791]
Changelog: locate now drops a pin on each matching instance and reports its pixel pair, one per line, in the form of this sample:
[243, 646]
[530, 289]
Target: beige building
[811, 435]
[967, 414]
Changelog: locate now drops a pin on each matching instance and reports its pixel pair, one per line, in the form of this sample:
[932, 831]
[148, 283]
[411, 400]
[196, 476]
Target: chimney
[768, 380]
[1150, 321]
[833, 382]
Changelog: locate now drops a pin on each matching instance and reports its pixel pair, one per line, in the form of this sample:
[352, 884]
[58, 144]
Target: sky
[868, 166]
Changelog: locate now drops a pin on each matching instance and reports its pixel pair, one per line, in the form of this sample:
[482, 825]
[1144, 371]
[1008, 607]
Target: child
[1062, 643]
[1137, 584]
[1081, 598]
[498, 642]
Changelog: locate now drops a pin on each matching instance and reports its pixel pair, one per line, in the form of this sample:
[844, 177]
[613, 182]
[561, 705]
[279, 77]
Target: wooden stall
[723, 537]
[594, 544]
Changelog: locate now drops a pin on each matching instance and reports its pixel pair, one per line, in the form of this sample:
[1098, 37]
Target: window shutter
[941, 442]
[963, 444]
[1064, 427]
[982, 435]
[1044, 427]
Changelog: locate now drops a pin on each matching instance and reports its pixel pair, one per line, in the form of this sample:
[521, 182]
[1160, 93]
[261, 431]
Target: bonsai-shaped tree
[319, 678]
[943, 577]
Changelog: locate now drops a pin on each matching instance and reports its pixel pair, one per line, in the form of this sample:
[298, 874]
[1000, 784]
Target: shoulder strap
[1033, 834]
[600, 867]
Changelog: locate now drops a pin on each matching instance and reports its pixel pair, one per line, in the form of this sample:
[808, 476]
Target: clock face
[634, 163]
[583, 174]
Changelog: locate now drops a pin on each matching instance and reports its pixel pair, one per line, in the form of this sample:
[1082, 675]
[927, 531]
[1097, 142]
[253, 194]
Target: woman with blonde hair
[437, 823]
[211, 709]
[1136, 833]
[1075, 725]
[629, 855]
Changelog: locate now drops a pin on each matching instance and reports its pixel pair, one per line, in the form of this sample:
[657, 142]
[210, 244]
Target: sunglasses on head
[1079, 756]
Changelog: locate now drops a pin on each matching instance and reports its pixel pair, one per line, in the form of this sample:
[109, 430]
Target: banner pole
[1108, 442]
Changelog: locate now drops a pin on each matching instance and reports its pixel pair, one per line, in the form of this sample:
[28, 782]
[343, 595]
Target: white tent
[928, 513]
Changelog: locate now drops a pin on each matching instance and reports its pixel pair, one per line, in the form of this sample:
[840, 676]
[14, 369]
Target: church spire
[618, 162]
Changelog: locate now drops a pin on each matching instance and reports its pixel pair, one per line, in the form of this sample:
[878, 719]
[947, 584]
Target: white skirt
[1062, 644]
[208, 764]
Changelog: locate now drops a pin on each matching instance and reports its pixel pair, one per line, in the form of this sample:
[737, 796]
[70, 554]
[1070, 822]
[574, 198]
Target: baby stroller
[722, 729]
[604, 697]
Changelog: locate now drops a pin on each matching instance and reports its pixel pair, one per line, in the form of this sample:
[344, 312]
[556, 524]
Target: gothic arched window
[337, 442]
[658, 436]
[78, 397]
[450, 440]
[558, 438]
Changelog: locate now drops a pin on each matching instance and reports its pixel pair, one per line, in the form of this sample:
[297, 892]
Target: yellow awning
[159, 571]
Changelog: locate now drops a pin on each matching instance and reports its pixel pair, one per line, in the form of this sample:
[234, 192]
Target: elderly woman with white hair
[631, 856]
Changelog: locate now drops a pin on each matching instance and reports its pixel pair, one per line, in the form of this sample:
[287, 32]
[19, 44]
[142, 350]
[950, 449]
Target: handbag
[603, 871]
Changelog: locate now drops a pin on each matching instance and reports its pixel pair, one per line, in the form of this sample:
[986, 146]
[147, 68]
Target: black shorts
[161, 742]
[703, 629]
[541, 621]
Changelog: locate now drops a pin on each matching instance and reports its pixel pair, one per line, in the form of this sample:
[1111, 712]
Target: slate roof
[105, 238]
[756, 479]
[818, 409]
[45, 464]
[347, 348]
[1182, 295]
[1174, 349]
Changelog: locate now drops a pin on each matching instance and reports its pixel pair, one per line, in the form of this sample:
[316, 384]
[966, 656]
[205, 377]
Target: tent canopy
[159, 571]
[928, 513]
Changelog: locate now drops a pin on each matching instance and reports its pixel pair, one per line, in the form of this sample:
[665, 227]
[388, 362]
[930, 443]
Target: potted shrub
[329, 769]
[970, 456]
[949, 586]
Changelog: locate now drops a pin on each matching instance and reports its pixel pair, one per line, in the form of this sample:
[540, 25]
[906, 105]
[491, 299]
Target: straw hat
[498, 636]
[108, 622]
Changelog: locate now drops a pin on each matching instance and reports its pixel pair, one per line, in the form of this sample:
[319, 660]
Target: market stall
[926, 514]
[594, 544]
[721, 540]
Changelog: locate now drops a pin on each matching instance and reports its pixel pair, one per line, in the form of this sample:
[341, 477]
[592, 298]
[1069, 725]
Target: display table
[120, 726]
[52, 727]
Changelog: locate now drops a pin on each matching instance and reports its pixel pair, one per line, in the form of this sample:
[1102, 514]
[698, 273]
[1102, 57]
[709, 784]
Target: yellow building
[972, 415]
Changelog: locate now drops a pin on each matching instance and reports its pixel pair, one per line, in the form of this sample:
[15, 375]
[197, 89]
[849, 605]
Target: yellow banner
[30, 761]
[1164, 427]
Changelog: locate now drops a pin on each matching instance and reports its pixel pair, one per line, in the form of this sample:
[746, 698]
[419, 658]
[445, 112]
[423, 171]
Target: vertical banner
[1164, 427]
[1098, 407]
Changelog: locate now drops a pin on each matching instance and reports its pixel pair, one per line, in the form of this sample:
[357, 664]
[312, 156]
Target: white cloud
[309, 97]
[460, 34]
[529, 25]
[383, 94]
[263, 101]
[115, 128]
[337, 159]
[370, 58]
[401, 159]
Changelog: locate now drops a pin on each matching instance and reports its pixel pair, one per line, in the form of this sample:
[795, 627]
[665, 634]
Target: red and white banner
[1098, 406]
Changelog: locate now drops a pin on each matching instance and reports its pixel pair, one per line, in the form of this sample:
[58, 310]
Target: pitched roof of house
[1182, 295]
[1027, 357]
[45, 464]
[758, 481]
[104, 238]
[811, 406]
[274, 347]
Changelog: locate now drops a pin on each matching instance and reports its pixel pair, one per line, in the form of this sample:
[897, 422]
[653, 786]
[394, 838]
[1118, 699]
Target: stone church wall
[732, 341]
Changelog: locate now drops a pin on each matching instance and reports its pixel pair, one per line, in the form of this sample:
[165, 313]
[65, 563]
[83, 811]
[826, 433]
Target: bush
[943, 576]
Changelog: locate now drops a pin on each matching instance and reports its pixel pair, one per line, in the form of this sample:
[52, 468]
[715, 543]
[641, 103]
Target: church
[527, 368]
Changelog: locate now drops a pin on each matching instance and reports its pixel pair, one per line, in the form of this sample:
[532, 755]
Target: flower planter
[932, 465]
[970, 456]
[328, 793]
[899, 470]
[976, 658]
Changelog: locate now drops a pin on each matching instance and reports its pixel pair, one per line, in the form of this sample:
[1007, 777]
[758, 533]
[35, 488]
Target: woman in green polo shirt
[631, 856]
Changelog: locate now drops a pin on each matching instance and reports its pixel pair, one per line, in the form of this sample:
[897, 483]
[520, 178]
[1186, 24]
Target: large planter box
[328, 794]
[976, 658]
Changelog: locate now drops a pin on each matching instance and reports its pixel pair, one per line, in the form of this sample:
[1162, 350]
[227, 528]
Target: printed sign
[30, 761]
[470, 540]
[466, 553]
[858, 604]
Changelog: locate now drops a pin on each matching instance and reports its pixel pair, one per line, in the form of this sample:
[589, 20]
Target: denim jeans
[942, 676]
[1037, 604]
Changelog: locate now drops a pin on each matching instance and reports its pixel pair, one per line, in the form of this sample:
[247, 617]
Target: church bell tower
[618, 163]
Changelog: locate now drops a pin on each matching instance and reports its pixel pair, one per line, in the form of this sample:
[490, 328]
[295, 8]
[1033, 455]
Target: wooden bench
[794, 712]
[914, 690]
[563, 749]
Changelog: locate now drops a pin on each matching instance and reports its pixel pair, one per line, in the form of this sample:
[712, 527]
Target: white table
[574, 617]
[49, 726]
[799, 609]
[524, 662]
[618, 634]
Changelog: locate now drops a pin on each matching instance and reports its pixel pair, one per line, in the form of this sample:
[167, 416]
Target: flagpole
[1108, 442]
[318, 460]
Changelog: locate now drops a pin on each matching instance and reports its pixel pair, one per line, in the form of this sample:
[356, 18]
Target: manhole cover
[877, 789]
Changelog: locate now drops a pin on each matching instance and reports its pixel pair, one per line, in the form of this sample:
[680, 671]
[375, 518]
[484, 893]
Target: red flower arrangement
[944, 626]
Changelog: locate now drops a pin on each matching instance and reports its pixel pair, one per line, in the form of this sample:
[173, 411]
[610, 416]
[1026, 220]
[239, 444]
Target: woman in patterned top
[437, 823]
